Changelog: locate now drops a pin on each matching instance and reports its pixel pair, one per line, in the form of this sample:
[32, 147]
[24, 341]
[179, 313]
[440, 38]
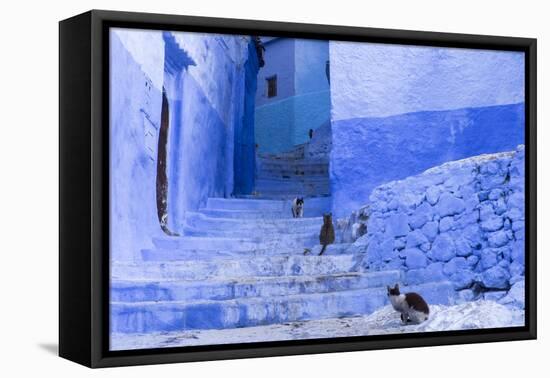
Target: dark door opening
[162, 177]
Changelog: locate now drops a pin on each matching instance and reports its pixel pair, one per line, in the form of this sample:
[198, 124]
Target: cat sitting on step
[326, 236]
[412, 307]
[298, 207]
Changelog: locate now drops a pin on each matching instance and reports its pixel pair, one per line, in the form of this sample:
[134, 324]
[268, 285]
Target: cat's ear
[396, 286]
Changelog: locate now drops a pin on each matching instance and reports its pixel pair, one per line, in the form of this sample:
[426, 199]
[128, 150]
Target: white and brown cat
[298, 207]
[412, 307]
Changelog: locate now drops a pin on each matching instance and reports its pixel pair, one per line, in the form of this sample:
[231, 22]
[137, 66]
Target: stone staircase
[291, 174]
[241, 263]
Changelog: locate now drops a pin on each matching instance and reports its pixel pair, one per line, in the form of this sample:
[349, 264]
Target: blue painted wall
[310, 66]
[312, 110]
[303, 96]
[206, 102]
[245, 143]
[135, 102]
[379, 80]
[398, 110]
[367, 152]
[279, 60]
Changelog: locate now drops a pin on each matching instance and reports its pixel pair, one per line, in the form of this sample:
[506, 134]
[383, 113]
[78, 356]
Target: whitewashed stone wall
[462, 222]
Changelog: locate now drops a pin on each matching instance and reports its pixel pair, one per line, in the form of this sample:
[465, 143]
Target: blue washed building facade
[302, 99]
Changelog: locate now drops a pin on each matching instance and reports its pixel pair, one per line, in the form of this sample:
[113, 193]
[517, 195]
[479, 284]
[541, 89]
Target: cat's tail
[323, 249]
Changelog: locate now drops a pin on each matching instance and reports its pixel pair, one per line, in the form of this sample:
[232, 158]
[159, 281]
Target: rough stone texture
[462, 221]
[516, 295]
[415, 258]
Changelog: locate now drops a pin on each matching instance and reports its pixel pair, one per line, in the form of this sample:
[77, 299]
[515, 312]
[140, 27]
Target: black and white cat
[412, 306]
[298, 207]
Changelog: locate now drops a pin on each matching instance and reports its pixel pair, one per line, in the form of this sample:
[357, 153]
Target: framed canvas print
[234, 188]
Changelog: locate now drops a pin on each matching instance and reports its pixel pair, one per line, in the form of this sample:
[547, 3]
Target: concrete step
[245, 214]
[291, 175]
[297, 169]
[167, 255]
[293, 192]
[262, 232]
[298, 163]
[244, 204]
[246, 266]
[296, 153]
[140, 317]
[281, 196]
[225, 241]
[290, 194]
[321, 171]
[232, 288]
[276, 181]
[200, 220]
[250, 208]
[190, 242]
[275, 184]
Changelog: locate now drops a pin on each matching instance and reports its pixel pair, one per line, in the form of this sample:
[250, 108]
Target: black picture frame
[84, 194]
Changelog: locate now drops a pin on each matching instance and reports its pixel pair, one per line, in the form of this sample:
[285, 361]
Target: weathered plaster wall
[398, 110]
[284, 124]
[310, 61]
[206, 103]
[367, 152]
[135, 102]
[279, 60]
[218, 61]
[463, 222]
[199, 159]
[379, 80]
[203, 138]
[312, 88]
[312, 111]
[273, 126]
[147, 50]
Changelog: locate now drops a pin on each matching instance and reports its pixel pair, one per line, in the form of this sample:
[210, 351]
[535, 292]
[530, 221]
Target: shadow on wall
[244, 157]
